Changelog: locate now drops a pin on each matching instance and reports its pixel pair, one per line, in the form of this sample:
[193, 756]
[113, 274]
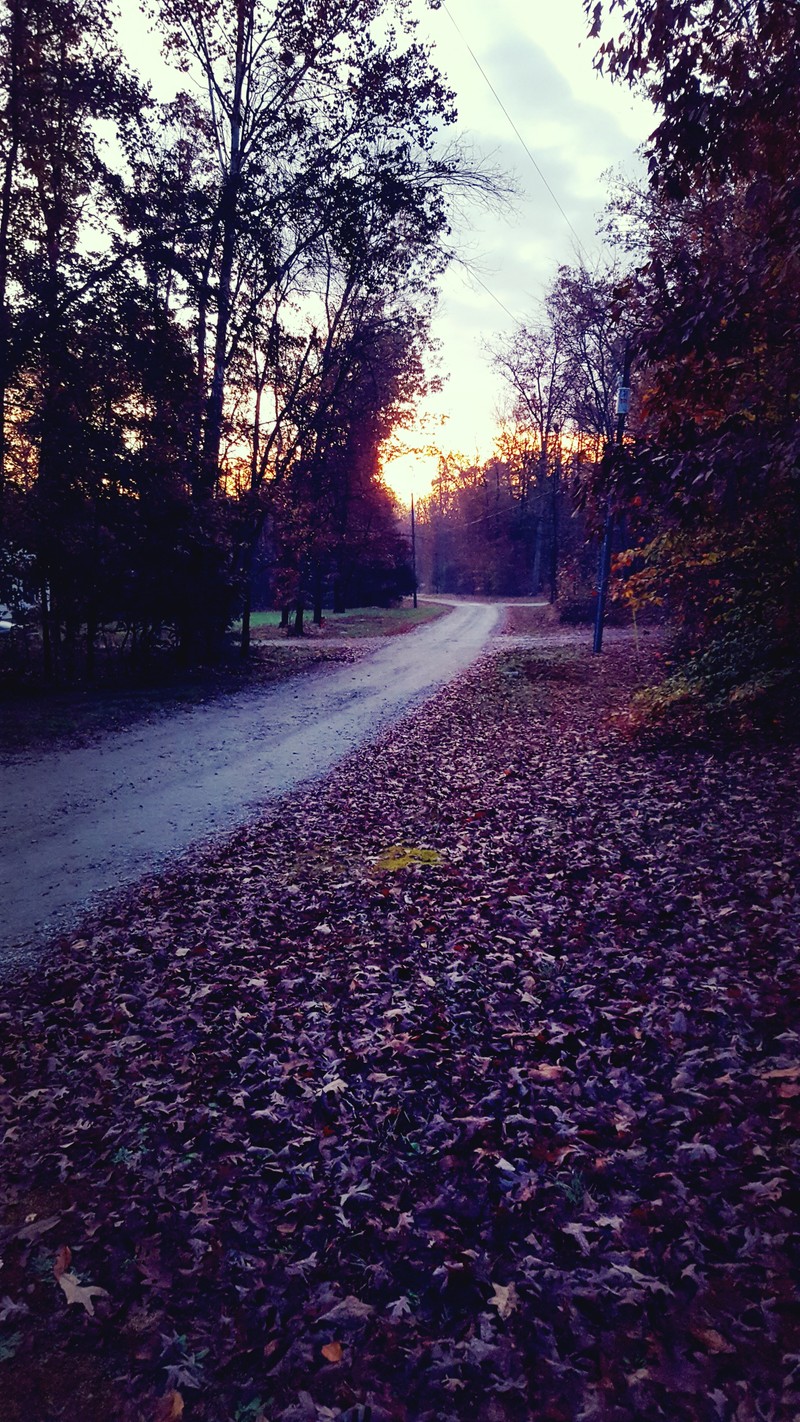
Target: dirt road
[78, 825]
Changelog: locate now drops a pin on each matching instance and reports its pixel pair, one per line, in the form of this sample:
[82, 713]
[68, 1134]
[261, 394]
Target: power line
[516, 319]
[480, 67]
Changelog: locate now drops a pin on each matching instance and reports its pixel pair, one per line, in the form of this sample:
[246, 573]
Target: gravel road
[78, 825]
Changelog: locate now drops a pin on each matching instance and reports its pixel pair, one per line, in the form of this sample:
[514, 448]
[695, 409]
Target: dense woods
[713, 295]
[212, 312]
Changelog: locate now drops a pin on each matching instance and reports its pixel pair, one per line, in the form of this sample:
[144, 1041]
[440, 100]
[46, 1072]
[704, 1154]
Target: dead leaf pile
[505, 1131]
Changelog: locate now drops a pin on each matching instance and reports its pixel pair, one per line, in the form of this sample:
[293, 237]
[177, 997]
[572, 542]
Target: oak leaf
[78, 1293]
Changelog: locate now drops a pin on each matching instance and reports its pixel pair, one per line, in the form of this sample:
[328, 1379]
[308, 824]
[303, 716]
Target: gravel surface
[77, 825]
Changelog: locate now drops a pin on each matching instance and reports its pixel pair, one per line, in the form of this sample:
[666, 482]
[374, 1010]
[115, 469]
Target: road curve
[79, 825]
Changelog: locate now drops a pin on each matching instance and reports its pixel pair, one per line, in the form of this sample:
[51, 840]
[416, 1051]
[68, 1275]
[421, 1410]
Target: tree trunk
[536, 570]
[47, 641]
[554, 534]
[244, 643]
[91, 646]
[229, 211]
[297, 629]
[339, 598]
[317, 596]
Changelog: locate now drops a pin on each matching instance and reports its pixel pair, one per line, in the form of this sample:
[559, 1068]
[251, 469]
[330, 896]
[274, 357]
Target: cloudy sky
[577, 125]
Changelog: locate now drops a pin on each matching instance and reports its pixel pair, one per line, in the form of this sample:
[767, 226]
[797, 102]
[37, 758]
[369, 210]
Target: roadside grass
[357, 622]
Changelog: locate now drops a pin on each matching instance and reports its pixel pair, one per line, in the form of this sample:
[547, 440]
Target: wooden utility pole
[623, 404]
[414, 549]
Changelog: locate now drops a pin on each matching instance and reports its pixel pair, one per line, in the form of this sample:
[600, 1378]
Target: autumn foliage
[715, 294]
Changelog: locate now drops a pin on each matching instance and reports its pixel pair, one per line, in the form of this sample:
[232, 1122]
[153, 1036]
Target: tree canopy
[212, 310]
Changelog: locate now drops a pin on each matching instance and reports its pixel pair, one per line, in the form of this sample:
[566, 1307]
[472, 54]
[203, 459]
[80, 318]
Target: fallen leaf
[712, 1340]
[334, 1352]
[31, 1232]
[349, 1310]
[578, 1232]
[78, 1293]
[169, 1408]
[505, 1299]
[62, 1260]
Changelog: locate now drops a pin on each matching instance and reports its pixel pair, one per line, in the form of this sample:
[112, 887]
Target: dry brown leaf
[505, 1299]
[169, 1407]
[712, 1340]
[334, 1352]
[32, 1231]
[62, 1260]
[348, 1310]
[78, 1293]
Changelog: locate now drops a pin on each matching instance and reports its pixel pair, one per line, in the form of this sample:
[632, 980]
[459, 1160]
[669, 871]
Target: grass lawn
[357, 622]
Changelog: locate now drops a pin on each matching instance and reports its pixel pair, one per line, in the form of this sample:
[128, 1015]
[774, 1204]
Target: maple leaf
[78, 1293]
[399, 1309]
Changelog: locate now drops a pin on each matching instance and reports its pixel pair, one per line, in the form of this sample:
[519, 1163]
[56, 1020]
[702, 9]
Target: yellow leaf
[334, 1352]
[401, 856]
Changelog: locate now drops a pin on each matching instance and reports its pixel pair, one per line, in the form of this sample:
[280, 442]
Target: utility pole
[414, 549]
[623, 405]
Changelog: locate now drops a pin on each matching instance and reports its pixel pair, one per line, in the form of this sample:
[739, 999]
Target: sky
[576, 124]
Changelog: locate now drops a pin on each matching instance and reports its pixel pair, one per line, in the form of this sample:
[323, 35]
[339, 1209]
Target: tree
[64, 76]
[716, 289]
[536, 369]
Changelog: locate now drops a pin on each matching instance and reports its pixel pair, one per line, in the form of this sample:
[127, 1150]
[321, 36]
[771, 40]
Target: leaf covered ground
[464, 1086]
